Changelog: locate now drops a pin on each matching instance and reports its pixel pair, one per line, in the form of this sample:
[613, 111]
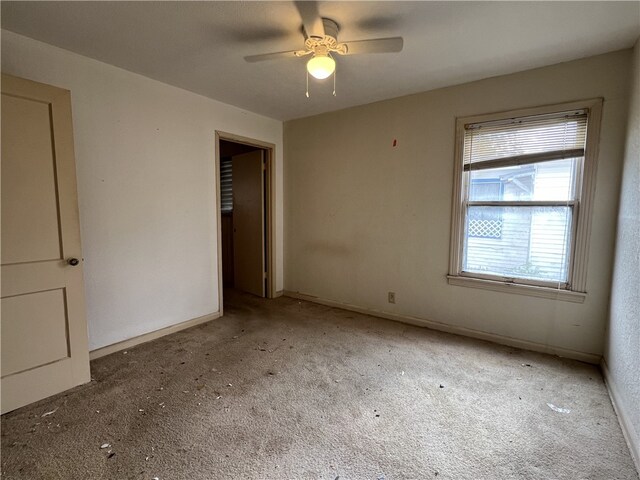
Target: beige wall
[623, 337]
[145, 158]
[363, 218]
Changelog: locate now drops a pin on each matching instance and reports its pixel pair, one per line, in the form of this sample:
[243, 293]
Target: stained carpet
[283, 389]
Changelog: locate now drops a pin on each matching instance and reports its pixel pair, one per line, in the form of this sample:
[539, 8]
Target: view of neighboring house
[531, 238]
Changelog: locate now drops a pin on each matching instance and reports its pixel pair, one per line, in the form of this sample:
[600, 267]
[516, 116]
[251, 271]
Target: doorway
[245, 216]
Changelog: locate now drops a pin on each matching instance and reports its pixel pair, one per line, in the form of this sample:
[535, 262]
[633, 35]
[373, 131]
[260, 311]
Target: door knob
[73, 262]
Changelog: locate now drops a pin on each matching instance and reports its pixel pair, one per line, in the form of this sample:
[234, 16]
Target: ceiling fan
[321, 40]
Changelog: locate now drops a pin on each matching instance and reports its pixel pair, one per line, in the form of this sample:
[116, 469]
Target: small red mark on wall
[395, 142]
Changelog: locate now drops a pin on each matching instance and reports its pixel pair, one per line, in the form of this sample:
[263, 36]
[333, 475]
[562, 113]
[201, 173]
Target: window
[226, 185]
[523, 189]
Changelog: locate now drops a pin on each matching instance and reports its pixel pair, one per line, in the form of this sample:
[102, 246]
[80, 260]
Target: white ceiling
[199, 46]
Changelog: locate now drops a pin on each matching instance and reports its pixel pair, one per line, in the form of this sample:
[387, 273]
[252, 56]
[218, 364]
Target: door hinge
[264, 275]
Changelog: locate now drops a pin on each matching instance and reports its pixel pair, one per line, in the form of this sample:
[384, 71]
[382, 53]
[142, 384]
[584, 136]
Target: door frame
[269, 208]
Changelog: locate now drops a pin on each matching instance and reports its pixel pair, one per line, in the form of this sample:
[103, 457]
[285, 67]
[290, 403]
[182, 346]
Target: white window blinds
[525, 140]
[226, 185]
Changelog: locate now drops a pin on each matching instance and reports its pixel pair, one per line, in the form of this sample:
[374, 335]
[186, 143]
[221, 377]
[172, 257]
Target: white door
[248, 222]
[43, 328]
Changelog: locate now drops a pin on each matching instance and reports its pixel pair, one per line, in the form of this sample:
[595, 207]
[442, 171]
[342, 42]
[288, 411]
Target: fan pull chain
[334, 83]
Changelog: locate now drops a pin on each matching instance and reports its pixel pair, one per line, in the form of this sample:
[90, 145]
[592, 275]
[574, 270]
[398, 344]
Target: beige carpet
[283, 389]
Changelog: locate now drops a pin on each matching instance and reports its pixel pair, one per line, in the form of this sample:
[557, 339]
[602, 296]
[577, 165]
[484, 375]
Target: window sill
[531, 290]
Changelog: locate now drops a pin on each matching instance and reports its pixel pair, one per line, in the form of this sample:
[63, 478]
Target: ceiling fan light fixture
[321, 66]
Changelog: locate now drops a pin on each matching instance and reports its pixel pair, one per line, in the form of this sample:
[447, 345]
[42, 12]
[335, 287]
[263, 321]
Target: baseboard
[443, 327]
[147, 337]
[627, 429]
[279, 293]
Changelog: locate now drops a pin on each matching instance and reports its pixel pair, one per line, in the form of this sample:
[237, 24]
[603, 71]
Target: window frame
[574, 289]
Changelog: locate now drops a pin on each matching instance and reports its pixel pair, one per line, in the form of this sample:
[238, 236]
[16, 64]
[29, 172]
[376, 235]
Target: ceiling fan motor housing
[331, 28]
[328, 43]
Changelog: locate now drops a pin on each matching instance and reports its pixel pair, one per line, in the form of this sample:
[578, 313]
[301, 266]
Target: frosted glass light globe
[321, 66]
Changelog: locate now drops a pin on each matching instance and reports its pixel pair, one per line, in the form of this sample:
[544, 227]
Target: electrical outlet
[392, 297]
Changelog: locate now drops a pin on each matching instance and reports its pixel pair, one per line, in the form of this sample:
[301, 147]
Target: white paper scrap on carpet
[558, 409]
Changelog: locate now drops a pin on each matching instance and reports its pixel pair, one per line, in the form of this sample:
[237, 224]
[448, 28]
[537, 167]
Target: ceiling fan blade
[377, 45]
[311, 19]
[273, 56]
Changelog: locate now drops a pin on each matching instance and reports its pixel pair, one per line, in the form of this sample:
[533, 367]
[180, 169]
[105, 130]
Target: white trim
[457, 205]
[443, 327]
[521, 203]
[147, 337]
[216, 179]
[270, 205]
[527, 282]
[521, 288]
[585, 185]
[517, 119]
[633, 442]
[530, 112]
[587, 193]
